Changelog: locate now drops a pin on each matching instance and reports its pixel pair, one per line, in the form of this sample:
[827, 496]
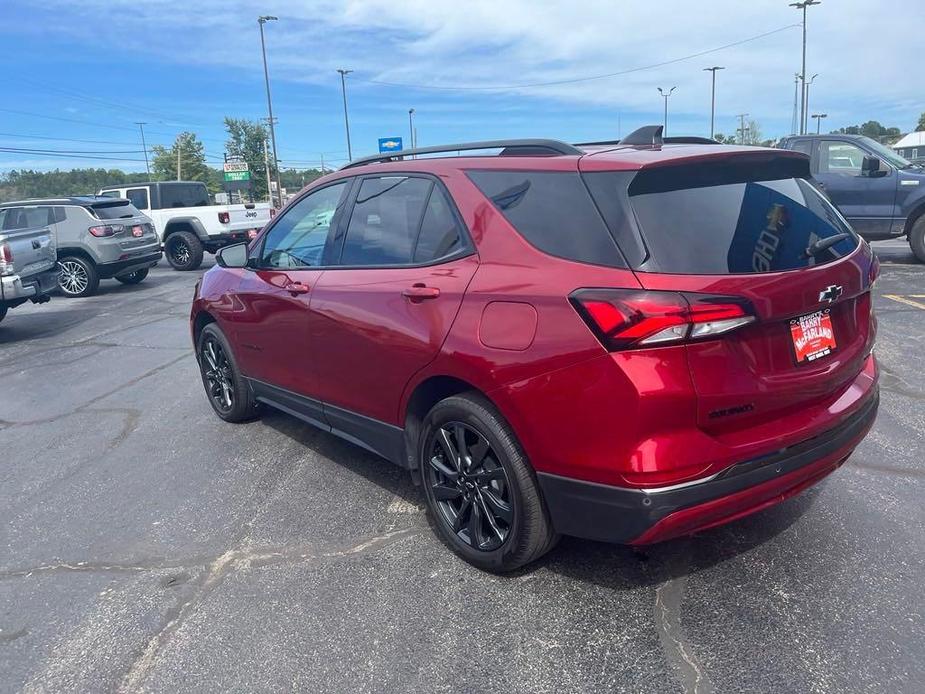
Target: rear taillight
[6, 259]
[224, 217]
[104, 230]
[272, 212]
[628, 318]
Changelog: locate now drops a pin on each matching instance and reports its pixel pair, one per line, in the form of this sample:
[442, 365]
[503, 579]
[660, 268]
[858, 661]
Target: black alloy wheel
[217, 374]
[470, 486]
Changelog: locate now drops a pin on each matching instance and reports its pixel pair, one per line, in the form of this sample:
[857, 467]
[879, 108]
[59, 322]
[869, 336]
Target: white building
[912, 146]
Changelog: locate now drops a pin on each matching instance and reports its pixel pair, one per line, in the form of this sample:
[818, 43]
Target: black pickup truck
[880, 193]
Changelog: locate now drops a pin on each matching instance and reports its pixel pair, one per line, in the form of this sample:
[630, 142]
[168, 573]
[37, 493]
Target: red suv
[620, 341]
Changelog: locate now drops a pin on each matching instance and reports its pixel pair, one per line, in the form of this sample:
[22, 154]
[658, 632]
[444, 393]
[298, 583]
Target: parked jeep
[880, 193]
[27, 258]
[186, 221]
[97, 238]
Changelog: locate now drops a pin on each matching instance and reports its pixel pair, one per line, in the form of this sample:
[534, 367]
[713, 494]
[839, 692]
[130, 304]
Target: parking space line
[905, 300]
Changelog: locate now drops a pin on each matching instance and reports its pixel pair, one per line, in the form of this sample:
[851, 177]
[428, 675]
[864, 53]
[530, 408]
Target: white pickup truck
[186, 221]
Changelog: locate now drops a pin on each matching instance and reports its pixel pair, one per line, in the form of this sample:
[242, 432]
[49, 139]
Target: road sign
[237, 175]
[235, 166]
[389, 144]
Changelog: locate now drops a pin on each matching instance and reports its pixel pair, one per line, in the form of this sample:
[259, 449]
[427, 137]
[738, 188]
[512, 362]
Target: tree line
[245, 140]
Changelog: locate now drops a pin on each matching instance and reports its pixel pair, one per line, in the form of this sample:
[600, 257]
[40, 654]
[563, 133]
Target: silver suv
[97, 238]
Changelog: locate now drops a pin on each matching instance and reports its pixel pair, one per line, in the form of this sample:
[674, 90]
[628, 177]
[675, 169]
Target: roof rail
[527, 147]
[651, 136]
[689, 140]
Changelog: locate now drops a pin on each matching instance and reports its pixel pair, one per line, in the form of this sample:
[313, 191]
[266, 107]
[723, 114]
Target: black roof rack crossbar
[529, 147]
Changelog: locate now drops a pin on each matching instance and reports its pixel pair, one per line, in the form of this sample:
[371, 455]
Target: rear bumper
[636, 516]
[128, 266]
[213, 242]
[16, 289]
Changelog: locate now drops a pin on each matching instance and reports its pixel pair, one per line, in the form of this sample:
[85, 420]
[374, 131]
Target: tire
[77, 276]
[3, 310]
[183, 250]
[917, 238]
[227, 391]
[498, 487]
[133, 277]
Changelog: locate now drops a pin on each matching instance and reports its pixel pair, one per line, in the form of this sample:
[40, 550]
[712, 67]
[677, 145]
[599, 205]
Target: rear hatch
[27, 241]
[751, 234]
[137, 233]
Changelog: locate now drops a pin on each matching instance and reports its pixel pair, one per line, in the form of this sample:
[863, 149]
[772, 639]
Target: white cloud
[863, 64]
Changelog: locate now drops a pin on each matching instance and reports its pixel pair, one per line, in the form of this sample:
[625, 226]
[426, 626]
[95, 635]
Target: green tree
[245, 140]
[188, 154]
[25, 183]
[921, 124]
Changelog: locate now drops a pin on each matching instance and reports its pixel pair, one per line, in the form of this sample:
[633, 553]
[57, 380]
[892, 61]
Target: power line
[579, 79]
[74, 151]
[67, 156]
[68, 139]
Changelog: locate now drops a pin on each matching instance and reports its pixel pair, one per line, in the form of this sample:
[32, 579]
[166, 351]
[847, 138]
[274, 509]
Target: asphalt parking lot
[147, 546]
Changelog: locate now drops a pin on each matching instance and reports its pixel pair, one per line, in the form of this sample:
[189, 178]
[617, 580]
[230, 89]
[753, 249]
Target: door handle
[295, 288]
[420, 292]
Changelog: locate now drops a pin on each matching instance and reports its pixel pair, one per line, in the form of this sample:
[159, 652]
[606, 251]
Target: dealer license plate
[813, 336]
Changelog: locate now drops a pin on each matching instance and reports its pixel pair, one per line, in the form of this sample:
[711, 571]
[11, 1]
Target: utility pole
[343, 89]
[141, 126]
[808, 85]
[742, 129]
[803, 107]
[322, 163]
[666, 95]
[178, 161]
[713, 95]
[819, 117]
[796, 86]
[266, 164]
[266, 76]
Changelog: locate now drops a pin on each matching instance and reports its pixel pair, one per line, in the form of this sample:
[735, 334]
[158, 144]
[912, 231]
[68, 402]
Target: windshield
[887, 154]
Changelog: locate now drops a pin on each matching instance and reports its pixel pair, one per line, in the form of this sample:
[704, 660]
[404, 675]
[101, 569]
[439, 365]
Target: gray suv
[97, 238]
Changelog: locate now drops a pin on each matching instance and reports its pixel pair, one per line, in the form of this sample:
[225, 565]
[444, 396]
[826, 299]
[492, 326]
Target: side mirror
[232, 256]
[871, 166]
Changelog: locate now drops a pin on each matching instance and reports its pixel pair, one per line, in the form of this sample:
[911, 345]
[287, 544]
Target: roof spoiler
[651, 136]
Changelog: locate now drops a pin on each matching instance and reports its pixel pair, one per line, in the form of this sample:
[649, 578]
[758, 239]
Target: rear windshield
[739, 227]
[118, 209]
[183, 195]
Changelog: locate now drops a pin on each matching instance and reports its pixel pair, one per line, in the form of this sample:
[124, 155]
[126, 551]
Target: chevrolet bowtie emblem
[830, 294]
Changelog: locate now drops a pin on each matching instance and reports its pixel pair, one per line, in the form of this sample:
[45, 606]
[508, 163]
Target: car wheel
[77, 277]
[481, 492]
[183, 251]
[228, 393]
[133, 277]
[917, 238]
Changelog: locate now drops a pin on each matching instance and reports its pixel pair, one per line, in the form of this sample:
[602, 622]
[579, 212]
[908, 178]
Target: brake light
[224, 217]
[627, 318]
[272, 212]
[104, 230]
[6, 259]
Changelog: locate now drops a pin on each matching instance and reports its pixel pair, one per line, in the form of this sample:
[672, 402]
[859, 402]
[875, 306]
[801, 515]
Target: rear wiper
[822, 244]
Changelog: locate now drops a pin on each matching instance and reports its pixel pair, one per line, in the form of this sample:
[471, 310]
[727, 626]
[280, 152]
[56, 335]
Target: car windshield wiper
[822, 244]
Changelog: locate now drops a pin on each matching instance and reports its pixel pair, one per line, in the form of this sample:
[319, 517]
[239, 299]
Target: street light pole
[343, 88]
[266, 76]
[411, 126]
[713, 96]
[803, 108]
[819, 117]
[808, 85]
[665, 95]
[796, 86]
[141, 126]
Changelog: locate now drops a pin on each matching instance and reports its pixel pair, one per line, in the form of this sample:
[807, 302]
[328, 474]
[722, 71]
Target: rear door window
[553, 211]
[738, 227]
[385, 221]
[440, 235]
[183, 195]
[138, 197]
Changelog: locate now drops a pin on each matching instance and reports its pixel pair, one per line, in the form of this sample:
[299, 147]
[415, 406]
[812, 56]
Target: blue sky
[89, 70]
